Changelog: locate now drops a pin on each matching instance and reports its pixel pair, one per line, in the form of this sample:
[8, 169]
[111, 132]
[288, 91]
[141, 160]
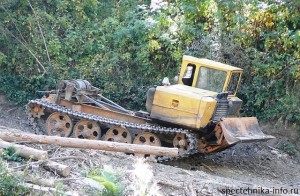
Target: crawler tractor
[198, 114]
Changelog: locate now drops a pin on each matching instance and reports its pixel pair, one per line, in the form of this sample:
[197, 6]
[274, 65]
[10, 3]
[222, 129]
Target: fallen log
[57, 168]
[41, 181]
[25, 151]
[60, 169]
[47, 182]
[88, 144]
[38, 189]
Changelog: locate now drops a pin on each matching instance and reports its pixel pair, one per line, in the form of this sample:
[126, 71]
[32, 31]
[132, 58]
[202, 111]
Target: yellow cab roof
[210, 63]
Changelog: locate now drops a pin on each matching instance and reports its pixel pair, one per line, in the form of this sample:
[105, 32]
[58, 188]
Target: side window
[233, 83]
[211, 79]
[188, 76]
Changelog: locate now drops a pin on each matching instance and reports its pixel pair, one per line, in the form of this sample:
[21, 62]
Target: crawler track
[155, 129]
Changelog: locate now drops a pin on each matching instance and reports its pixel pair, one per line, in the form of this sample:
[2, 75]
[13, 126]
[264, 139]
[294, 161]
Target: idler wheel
[35, 110]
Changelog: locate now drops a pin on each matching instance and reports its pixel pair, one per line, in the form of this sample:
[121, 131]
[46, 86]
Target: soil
[260, 166]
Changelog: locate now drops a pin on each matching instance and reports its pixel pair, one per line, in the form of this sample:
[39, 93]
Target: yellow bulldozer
[197, 114]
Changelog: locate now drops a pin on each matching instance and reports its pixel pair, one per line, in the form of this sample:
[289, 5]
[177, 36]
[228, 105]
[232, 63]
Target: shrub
[107, 178]
[9, 184]
[11, 155]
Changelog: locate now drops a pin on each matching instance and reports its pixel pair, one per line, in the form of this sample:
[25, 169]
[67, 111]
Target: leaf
[109, 186]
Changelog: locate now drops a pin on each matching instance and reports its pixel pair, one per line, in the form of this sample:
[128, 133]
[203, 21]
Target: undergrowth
[10, 184]
[11, 155]
[108, 179]
[290, 148]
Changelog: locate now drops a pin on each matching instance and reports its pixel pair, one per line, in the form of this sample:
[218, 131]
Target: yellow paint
[206, 110]
[186, 105]
[186, 60]
[238, 82]
[209, 63]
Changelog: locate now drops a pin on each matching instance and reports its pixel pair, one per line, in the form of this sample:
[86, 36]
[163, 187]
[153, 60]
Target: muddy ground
[244, 167]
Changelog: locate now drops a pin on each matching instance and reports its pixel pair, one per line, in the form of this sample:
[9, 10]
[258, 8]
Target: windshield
[211, 79]
[234, 81]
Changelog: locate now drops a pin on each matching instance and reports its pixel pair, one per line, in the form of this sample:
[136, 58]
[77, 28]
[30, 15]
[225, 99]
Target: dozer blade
[245, 129]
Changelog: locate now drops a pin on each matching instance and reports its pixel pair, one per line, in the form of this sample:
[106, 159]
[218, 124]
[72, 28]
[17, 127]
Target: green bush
[289, 148]
[9, 184]
[125, 47]
[121, 52]
[110, 180]
[11, 155]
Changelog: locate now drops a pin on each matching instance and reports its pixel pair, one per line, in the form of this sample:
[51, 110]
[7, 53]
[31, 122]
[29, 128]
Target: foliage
[108, 179]
[261, 37]
[9, 184]
[19, 89]
[11, 155]
[121, 52]
[125, 47]
[289, 148]
[59, 189]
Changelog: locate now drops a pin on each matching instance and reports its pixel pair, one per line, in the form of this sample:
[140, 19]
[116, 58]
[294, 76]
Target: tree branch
[34, 56]
[41, 31]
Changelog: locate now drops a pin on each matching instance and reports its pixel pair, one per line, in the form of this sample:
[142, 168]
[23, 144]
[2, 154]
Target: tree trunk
[25, 151]
[88, 144]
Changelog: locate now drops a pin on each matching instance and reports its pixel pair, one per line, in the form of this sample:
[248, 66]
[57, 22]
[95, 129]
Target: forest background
[125, 47]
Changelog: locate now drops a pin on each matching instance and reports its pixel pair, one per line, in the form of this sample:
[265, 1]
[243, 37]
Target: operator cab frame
[209, 75]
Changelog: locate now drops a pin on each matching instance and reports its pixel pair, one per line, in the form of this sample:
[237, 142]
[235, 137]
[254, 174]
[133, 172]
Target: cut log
[57, 168]
[48, 182]
[41, 181]
[25, 151]
[38, 189]
[88, 144]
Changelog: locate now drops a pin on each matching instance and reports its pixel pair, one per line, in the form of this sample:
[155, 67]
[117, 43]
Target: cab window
[211, 79]
[188, 76]
[233, 83]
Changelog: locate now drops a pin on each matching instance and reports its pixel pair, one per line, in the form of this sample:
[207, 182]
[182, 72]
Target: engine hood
[192, 92]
